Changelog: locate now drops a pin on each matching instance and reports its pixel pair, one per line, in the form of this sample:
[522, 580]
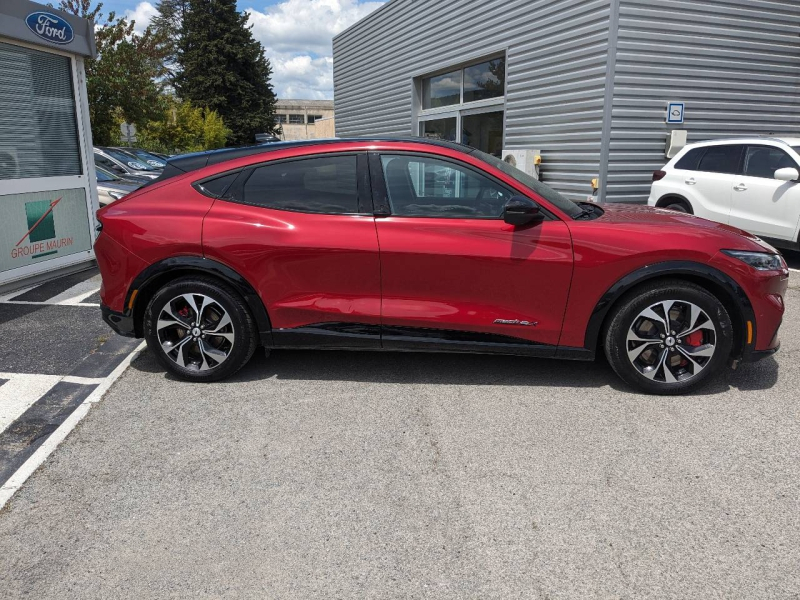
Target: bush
[183, 128]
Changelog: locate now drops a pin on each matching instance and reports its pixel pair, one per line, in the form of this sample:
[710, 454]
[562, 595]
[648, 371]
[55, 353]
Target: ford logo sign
[50, 27]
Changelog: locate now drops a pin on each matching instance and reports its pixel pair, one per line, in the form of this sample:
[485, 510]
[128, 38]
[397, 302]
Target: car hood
[119, 186]
[637, 214]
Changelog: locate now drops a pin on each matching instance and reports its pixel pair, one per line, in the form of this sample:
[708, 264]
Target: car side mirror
[787, 174]
[520, 210]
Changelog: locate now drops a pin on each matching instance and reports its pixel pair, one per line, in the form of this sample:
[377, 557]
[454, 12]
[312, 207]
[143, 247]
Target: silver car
[122, 164]
[111, 188]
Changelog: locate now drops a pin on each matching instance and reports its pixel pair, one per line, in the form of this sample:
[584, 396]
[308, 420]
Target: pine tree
[223, 68]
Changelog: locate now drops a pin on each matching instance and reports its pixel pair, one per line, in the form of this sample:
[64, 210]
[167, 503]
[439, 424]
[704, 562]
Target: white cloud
[297, 34]
[142, 15]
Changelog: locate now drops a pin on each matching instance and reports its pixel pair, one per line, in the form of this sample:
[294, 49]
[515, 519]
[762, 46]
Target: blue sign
[675, 112]
[50, 27]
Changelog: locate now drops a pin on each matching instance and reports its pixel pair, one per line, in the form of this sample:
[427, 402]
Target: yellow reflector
[749, 332]
[133, 297]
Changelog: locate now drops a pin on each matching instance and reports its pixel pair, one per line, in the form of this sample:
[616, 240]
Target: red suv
[420, 245]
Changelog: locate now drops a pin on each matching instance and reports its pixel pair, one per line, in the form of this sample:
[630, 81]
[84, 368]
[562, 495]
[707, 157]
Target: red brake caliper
[694, 339]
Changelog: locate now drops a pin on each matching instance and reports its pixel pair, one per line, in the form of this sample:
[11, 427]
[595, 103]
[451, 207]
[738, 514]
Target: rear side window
[690, 160]
[721, 159]
[217, 187]
[327, 184]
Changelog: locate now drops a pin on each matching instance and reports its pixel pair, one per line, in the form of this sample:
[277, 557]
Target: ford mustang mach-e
[421, 245]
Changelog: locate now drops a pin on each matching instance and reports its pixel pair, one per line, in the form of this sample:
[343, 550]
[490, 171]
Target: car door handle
[740, 188]
[690, 181]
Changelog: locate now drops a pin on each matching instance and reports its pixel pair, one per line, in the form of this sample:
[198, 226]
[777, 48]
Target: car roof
[198, 160]
[788, 141]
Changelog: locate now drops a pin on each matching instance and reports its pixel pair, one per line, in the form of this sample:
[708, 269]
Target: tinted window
[217, 187]
[109, 165]
[720, 159]
[321, 185]
[104, 175]
[428, 187]
[690, 160]
[763, 161]
[486, 80]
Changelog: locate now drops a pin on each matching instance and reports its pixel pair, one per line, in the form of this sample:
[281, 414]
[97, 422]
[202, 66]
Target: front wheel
[199, 329]
[669, 337]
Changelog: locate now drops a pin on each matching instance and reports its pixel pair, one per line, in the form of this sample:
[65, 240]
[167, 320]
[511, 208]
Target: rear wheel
[668, 337]
[678, 205]
[199, 329]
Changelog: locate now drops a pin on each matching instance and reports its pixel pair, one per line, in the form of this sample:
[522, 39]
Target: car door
[302, 232]
[711, 184]
[452, 269]
[762, 204]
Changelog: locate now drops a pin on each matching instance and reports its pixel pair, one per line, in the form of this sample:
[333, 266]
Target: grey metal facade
[587, 81]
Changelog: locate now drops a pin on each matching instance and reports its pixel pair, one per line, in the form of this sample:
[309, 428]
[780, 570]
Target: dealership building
[602, 90]
[48, 193]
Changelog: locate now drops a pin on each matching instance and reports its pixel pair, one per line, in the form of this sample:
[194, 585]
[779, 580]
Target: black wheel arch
[730, 293]
[147, 283]
[665, 199]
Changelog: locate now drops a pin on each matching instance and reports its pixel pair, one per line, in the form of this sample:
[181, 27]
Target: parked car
[750, 183]
[344, 244]
[111, 188]
[143, 156]
[122, 164]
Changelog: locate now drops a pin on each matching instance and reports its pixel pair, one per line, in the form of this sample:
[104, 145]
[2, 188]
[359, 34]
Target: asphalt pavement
[386, 475]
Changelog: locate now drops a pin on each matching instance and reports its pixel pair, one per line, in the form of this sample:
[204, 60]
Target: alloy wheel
[671, 341]
[195, 332]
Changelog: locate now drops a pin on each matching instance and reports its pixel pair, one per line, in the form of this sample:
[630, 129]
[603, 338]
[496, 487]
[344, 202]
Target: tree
[183, 127]
[122, 83]
[223, 68]
[167, 25]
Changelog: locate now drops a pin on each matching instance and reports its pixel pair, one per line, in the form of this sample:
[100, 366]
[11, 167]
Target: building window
[38, 123]
[473, 83]
[442, 90]
[486, 80]
[280, 119]
[296, 119]
[450, 109]
[313, 119]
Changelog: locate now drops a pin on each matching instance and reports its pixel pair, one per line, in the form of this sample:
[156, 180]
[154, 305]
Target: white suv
[750, 183]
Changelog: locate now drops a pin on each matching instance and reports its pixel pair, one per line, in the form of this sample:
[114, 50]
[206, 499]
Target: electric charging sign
[675, 113]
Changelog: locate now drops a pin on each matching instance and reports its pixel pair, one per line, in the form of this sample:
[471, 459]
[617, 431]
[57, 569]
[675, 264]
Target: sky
[296, 35]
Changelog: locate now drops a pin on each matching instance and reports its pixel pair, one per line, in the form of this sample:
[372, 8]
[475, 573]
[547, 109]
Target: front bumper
[757, 355]
[119, 322]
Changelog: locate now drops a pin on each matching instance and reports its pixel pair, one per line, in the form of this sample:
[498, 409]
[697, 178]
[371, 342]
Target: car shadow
[457, 369]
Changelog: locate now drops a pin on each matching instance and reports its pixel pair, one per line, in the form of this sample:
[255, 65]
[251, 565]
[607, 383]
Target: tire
[677, 206]
[223, 342]
[675, 363]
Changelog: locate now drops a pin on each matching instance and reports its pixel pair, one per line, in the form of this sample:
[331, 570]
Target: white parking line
[19, 292]
[19, 392]
[76, 293]
[48, 303]
[51, 443]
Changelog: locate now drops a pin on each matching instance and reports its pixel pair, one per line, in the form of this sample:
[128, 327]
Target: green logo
[41, 225]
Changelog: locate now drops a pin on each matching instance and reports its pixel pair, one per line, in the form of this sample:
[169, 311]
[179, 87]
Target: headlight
[761, 261]
[116, 195]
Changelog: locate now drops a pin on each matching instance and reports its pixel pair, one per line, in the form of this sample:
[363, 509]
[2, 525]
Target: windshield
[129, 160]
[796, 149]
[150, 159]
[549, 194]
[103, 175]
